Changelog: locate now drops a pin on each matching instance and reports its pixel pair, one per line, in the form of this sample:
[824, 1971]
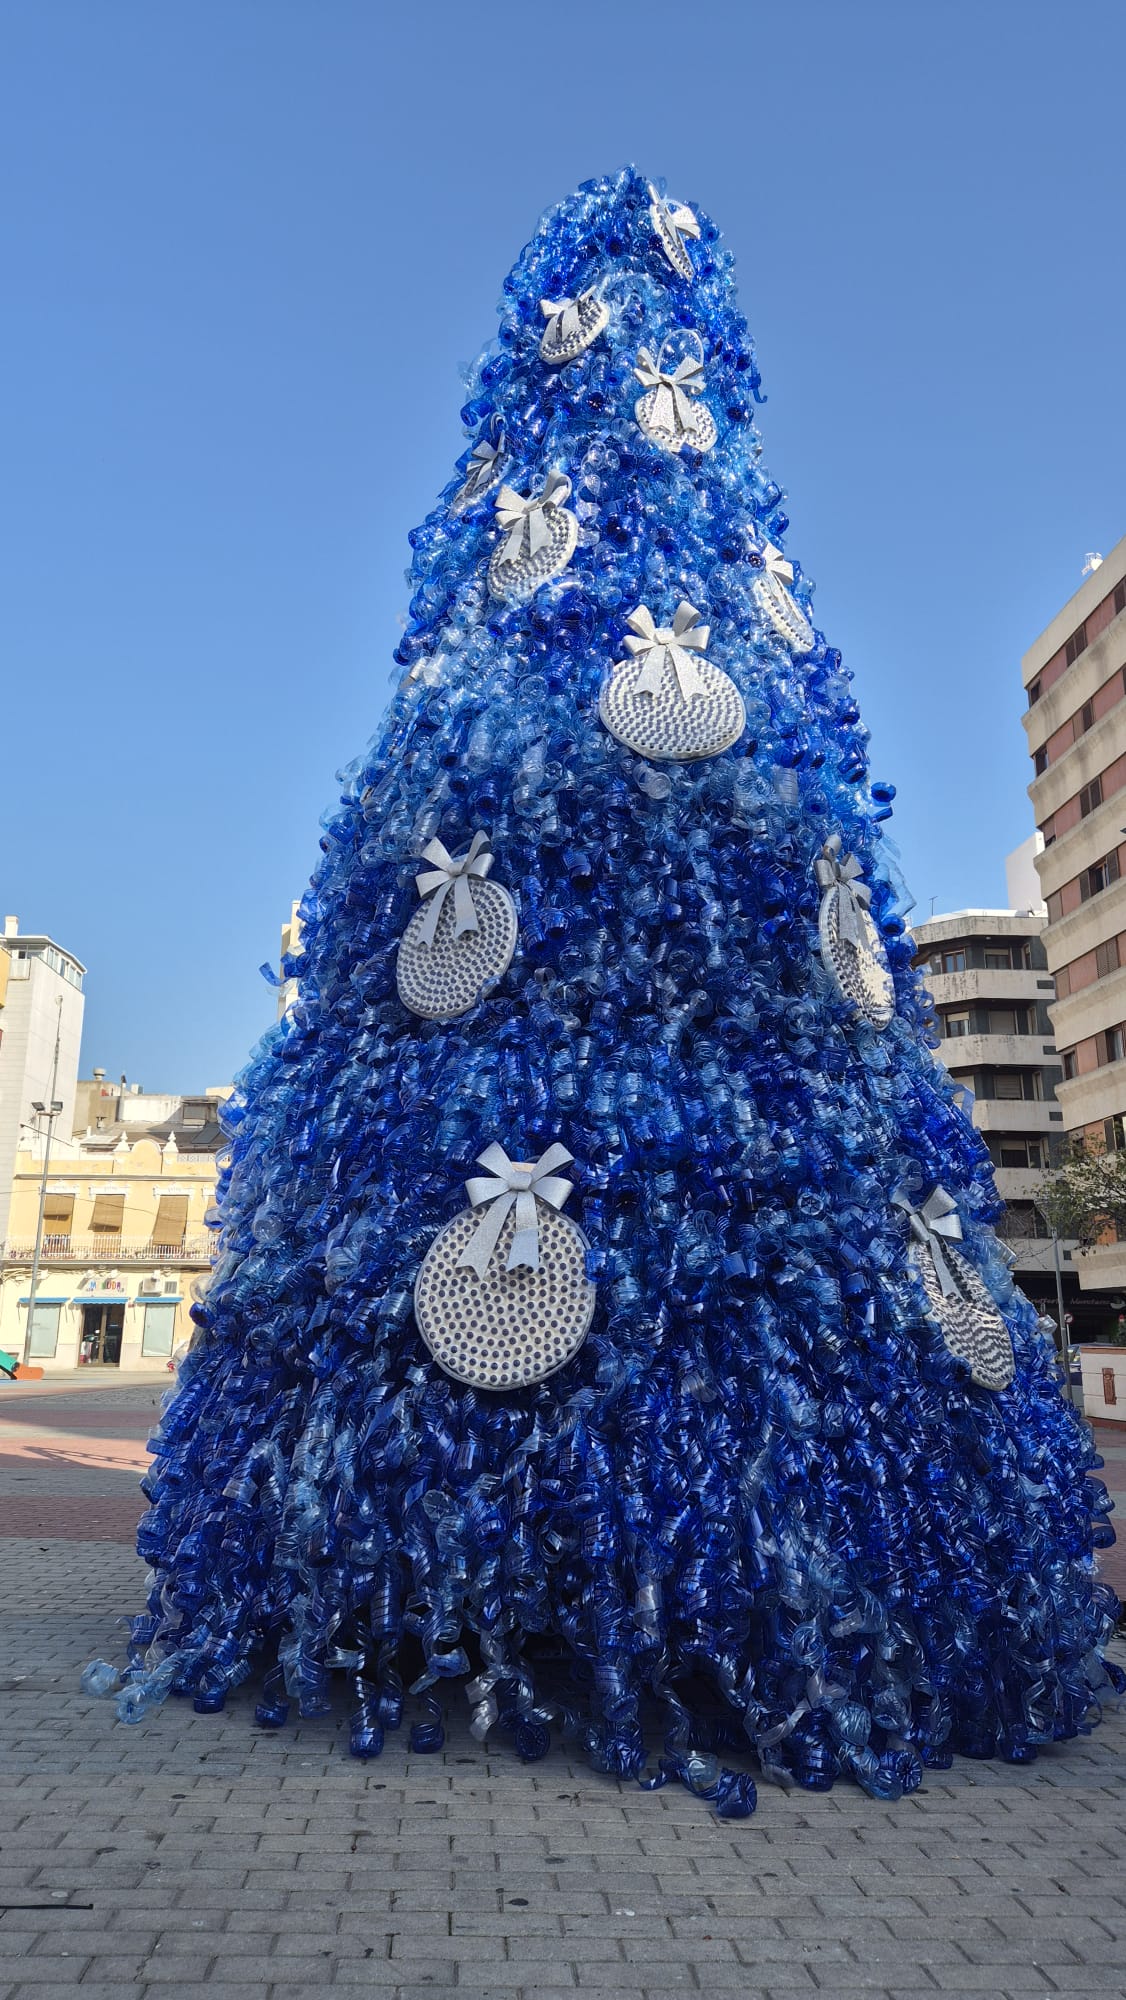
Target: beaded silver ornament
[502, 1299]
[663, 702]
[486, 463]
[673, 221]
[852, 950]
[957, 1299]
[572, 326]
[462, 939]
[540, 534]
[666, 413]
[773, 597]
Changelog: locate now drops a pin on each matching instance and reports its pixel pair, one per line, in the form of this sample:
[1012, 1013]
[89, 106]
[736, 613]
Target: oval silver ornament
[773, 597]
[968, 1319]
[665, 703]
[666, 412]
[462, 939]
[486, 464]
[859, 971]
[673, 221]
[540, 536]
[852, 950]
[502, 1299]
[572, 326]
[957, 1298]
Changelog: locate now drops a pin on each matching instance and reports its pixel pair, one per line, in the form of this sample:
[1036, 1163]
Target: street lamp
[50, 1112]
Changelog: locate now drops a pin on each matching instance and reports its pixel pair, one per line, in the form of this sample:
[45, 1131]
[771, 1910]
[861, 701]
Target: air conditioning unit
[150, 1285]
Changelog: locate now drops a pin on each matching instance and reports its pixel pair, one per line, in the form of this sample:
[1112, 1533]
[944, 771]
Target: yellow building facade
[125, 1248]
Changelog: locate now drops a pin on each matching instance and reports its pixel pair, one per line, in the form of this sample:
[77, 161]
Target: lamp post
[50, 1111]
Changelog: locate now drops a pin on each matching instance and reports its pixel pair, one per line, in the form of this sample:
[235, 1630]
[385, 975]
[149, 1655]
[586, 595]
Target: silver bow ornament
[449, 871]
[676, 215]
[525, 519]
[843, 871]
[672, 410]
[564, 317]
[675, 643]
[519, 1183]
[484, 464]
[776, 564]
[937, 1219]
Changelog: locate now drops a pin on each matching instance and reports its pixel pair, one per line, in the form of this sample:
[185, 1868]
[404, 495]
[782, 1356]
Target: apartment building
[125, 1242]
[1075, 685]
[41, 1007]
[988, 975]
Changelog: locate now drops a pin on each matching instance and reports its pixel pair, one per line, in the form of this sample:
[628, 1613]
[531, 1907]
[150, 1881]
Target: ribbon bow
[937, 1218]
[676, 213]
[519, 1182]
[482, 467]
[673, 388]
[454, 872]
[524, 518]
[844, 871]
[674, 643]
[568, 315]
[776, 564]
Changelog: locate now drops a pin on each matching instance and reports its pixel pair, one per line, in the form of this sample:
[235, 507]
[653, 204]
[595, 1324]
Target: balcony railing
[108, 1249]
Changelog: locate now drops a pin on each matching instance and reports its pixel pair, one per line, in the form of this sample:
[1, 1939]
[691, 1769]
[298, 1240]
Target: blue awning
[45, 1299]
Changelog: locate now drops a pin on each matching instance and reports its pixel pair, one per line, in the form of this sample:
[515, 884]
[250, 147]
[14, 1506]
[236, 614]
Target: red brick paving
[25, 1517]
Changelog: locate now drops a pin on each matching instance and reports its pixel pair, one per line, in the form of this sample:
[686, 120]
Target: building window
[1106, 958]
[171, 1222]
[1090, 797]
[1016, 1083]
[948, 961]
[1114, 1044]
[44, 1332]
[1063, 982]
[159, 1328]
[1120, 597]
[956, 1024]
[58, 1212]
[1021, 1153]
[1094, 880]
[1067, 1058]
[109, 1213]
[1076, 644]
[1008, 1020]
[1040, 760]
[1033, 693]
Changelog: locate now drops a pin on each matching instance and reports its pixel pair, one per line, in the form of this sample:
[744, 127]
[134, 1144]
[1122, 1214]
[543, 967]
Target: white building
[41, 1004]
[987, 974]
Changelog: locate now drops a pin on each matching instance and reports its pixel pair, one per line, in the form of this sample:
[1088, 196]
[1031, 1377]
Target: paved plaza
[201, 1854]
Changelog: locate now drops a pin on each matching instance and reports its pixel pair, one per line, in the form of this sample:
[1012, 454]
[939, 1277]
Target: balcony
[111, 1250]
[1098, 1094]
[998, 1051]
[1016, 1114]
[950, 989]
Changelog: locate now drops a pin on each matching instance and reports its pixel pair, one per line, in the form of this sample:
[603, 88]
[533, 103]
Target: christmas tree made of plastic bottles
[607, 1318]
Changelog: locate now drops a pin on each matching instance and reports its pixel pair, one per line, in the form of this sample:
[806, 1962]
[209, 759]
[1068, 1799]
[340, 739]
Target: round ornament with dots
[572, 326]
[774, 599]
[666, 702]
[673, 222]
[538, 537]
[462, 939]
[502, 1299]
[968, 1319]
[670, 413]
[852, 950]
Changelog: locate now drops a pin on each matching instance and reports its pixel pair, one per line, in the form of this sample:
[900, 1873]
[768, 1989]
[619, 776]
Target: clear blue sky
[246, 246]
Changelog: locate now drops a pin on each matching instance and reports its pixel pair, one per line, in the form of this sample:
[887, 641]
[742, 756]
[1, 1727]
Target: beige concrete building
[1075, 683]
[125, 1240]
[987, 973]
